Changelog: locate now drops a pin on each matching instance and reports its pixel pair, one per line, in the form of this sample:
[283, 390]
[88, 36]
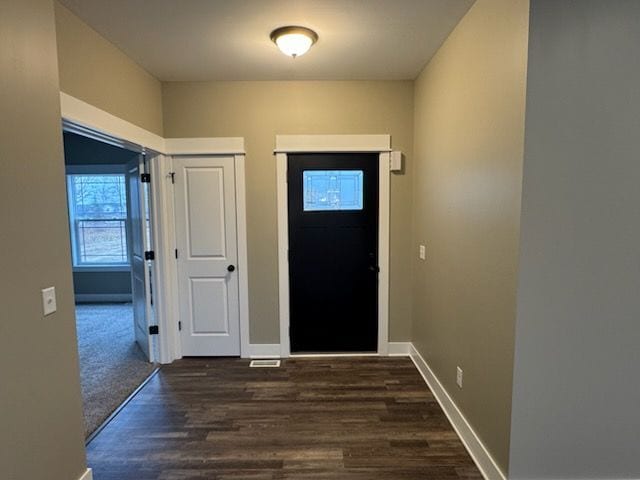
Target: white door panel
[140, 281]
[207, 247]
[209, 314]
[206, 215]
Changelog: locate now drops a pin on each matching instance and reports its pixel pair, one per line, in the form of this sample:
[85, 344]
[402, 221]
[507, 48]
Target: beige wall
[95, 71]
[469, 130]
[41, 430]
[260, 110]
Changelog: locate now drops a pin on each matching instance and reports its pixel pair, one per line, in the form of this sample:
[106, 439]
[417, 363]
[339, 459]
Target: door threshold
[113, 415]
[336, 354]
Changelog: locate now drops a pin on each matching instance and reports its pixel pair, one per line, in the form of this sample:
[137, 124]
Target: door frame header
[332, 143]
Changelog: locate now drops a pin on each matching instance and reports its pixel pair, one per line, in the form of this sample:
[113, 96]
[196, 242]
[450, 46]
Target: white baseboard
[399, 349]
[88, 475]
[102, 297]
[264, 350]
[481, 456]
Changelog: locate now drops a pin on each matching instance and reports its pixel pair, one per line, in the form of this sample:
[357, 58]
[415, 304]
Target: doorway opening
[334, 202]
[333, 252]
[109, 224]
[207, 255]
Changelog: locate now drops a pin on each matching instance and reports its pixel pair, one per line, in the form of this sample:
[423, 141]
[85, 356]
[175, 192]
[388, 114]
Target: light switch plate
[423, 252]
[49, 300]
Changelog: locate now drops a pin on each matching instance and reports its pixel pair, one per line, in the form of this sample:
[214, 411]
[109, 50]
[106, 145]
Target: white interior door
[140, 281]
[205, 200]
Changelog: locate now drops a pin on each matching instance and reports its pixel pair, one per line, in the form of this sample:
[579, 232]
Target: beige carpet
[112, 365]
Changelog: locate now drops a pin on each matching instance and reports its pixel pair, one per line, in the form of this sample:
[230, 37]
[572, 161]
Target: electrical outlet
[49, 300]
[459, 376]
[423, 252]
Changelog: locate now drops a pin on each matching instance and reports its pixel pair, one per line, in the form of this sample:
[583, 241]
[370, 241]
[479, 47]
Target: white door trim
[92, 121]
[243, 257]
[166, 288]
[204, 146]
[333, 143]
[87, 475]
[84, 114]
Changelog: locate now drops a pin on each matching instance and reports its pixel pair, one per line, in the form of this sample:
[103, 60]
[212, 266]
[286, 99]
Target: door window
[332, 190]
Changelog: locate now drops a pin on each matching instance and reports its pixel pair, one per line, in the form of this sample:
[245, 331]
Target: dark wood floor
[361, 418]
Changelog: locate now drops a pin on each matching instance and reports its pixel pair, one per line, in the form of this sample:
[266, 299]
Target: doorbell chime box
[395, 165]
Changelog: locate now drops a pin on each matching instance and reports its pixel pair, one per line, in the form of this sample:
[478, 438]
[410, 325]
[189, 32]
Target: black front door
[333, 252]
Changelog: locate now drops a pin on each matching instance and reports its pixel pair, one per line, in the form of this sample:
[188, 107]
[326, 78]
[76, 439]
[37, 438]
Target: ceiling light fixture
[294, 41]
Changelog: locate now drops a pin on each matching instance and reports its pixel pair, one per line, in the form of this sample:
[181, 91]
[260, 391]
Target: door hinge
[145, 177]
[172, 175]
[154, 330]
[150, 255]
[176, 253]
[179, 326]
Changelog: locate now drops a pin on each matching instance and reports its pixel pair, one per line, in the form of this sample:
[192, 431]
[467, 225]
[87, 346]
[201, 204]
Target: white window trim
[380, 144]
[101, 268]
[84, 118]
[91, 170]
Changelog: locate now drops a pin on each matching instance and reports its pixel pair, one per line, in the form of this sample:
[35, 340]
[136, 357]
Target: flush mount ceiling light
[294, 41]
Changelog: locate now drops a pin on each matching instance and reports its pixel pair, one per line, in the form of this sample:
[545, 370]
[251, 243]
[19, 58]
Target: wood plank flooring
[360, 418]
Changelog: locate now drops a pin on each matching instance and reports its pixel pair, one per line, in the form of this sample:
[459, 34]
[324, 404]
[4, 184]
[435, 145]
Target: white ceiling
[229, 39]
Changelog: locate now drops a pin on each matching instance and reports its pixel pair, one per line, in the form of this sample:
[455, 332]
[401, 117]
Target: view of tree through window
[98, 212]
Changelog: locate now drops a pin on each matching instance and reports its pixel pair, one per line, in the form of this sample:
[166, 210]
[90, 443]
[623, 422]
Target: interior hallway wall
[260, 110]
[576, 388]
[469, 134]
[97, 72]
[41, 429]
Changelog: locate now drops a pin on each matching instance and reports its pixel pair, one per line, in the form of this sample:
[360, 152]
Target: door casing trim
[286, 144]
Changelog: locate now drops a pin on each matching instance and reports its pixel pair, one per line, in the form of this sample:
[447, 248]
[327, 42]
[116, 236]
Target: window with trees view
[98, 214]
